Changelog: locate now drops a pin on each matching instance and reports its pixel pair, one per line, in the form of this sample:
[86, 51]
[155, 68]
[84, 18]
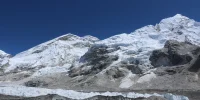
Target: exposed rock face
[174, 53]
[133, 68]
[195, 66]
[115, 73]
[95, 60]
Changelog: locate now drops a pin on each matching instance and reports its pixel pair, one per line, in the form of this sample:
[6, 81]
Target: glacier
[34, 92]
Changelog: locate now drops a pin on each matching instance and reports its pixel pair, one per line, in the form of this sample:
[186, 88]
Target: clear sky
[27, 23]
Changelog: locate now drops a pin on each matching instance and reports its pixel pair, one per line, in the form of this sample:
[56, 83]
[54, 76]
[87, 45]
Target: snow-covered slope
[4, 57]
[136, 47]
[61, 51]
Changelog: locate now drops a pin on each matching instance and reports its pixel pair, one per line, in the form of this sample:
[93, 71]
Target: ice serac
[134, 49]
[61, 51]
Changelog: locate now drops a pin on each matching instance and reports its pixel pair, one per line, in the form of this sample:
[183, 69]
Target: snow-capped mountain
[135, 48]
[132, 49]
[119, 62]
[61, 51]
[81, 55]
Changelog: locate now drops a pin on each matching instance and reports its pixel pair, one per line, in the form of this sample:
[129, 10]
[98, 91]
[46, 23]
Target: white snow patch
[127, 81]
[146, 78]
[47, 71]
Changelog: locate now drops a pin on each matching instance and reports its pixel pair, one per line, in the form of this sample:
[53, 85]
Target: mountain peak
[73, 37]
[179, 16]
[4, 57]
[68, 36]
[90, 38]
[2, 53]
[175, 19]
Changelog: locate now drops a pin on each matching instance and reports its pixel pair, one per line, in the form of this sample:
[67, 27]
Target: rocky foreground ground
[192, 95]
[56, 97]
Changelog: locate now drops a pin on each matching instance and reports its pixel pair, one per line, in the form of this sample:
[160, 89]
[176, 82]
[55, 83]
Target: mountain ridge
[132, 48]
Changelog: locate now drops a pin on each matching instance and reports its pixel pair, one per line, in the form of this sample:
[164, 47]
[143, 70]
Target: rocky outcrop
[195, 66]
[115, 72]
[133, 68]
[95, 60]
[174, 53]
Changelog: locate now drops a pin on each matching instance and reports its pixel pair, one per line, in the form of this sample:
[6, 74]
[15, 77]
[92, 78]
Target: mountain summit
[4, 57]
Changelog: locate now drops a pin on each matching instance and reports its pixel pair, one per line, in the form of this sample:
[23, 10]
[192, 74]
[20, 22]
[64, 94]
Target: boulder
[133, 68]
[115, 72]
[35, 83]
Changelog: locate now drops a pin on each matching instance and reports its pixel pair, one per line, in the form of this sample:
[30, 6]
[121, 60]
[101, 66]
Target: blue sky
[27, 23]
